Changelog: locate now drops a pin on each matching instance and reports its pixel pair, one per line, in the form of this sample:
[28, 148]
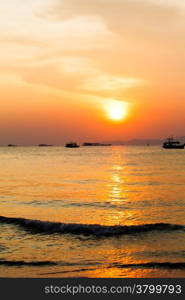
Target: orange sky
[62, 61]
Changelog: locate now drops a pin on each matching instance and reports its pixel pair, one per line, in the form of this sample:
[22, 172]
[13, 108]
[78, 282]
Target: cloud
[105, 84]
[151, 35]
[77, 75]
[97, 47]
[154, 26]
[144, 16]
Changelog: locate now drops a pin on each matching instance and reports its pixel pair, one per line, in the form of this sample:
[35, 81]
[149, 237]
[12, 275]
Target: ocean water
[92, 212]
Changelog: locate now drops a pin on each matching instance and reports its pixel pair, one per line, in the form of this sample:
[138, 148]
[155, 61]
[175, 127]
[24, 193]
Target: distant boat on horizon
[72, 145]
[12, 145]
[171, 143]
[96, 144]
[45, 145]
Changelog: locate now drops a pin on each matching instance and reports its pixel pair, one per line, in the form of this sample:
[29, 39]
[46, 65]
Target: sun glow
[116, 110]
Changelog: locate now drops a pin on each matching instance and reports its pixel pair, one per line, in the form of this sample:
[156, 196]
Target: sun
[116, 110]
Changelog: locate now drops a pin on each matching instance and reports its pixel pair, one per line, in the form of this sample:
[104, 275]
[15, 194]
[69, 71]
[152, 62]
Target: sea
[111, 212]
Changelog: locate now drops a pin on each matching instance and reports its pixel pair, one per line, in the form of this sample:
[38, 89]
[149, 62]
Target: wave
[152, 265]
[20, 263]
[46, 227]
[148, 265]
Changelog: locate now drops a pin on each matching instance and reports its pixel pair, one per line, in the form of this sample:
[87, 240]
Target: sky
[64, 62]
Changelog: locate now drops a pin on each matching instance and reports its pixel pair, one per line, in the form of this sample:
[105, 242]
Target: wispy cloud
[151, 34]
[104, 83]
[97, 46]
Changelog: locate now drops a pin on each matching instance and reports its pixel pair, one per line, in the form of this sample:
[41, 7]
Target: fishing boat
[72, 145]
[45, 145]
[171, 143]
[96, 144]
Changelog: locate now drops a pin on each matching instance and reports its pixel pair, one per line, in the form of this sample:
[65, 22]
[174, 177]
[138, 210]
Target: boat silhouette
[72, 145]
[171, 143]
[95, 144]
[45, 145]
[12, 145]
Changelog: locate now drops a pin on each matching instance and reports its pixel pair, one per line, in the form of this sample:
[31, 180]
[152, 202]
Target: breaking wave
[153, 265]
[147, 265]
[20, 263]
[46, 227]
